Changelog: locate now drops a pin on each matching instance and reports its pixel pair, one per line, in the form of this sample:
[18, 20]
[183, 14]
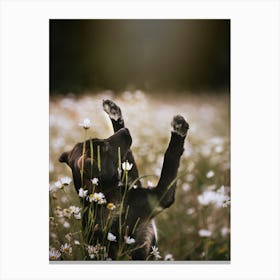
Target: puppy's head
[100, 160]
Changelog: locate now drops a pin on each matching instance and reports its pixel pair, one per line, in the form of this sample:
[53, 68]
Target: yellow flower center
[110, 206]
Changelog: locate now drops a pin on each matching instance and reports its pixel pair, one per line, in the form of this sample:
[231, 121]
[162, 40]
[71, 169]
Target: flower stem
[83, 155]
[98, 158]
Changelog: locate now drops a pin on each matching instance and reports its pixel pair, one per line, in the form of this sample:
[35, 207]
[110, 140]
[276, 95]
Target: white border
[255, 138]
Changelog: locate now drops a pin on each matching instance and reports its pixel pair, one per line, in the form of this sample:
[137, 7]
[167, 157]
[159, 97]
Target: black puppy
[140, 205]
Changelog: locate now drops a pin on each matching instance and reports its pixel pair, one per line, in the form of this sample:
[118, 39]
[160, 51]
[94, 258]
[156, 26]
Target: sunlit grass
[197, 226]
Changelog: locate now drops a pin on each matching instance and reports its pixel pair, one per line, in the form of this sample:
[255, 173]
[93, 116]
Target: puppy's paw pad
[180, 126]
[112, 110]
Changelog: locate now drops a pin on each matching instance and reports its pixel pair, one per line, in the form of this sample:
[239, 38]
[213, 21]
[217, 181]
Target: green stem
[98, 158]
[91, 158]
[83, 159]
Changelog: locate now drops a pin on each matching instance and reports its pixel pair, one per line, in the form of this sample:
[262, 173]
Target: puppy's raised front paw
[112, 110]
[179, 125]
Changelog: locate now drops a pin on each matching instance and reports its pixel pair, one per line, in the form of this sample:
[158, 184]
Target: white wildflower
[155, 252]
[129, 240]
[135, 187]
[52, 187]
[186, 187]
[66, 224]
[190, 177]
[65, 181]
[226, 203]
[52, 222]
[94, 181]
[204, 233]
[190, 211]
[92, 251]
[58, 184]
[67, 213]
[111, 206]
[168, 257]
[54, 254]
[224, 231]
[75, 209]
[53, 235]
[111, 237]
[219, 149]
[77, 242]
[217, 198]
[82, 192]
[210, 174]
[97, 197]
[64, 199]
[126, 166]
[78, 216]
[66, 248]
[85, 124]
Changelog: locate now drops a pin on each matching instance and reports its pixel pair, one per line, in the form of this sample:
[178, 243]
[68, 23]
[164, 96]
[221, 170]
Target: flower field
[197, 226]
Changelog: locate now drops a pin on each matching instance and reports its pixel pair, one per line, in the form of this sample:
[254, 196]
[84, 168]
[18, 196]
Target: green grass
[148, 117]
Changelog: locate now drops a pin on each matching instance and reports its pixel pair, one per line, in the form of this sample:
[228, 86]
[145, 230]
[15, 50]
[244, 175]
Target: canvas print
[139, 140]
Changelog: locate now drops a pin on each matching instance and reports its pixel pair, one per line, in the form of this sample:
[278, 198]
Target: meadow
[197, 226]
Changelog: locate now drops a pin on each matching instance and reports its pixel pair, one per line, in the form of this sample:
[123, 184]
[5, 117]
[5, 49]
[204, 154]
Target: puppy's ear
[64, 157]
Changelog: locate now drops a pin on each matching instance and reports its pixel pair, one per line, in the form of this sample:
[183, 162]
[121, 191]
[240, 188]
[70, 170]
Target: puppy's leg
[114, 113]
[166, 187]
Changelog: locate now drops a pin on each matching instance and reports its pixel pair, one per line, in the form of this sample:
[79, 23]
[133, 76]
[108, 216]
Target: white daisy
[224, 231]
[52, 187]
[67, 213]
[94, 181]
[204, 233]
[126, 166]
[219, 198]
[75, 209]
[77, 242]
[58, 184]
[86, 123]
[97, 197]
[66, 248]
[66, 224]
[65, 181]
[168, 257]
[210, 174]
[91, 251]
[129, 240]
[186, 187]
[190, 211]
[111, 237]
[78, 216]
[111, 206]
[82, 192]
[226, 203]
[155, 252]
[54, 254]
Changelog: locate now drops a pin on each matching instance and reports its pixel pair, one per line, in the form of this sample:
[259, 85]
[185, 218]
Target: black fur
[144, 203]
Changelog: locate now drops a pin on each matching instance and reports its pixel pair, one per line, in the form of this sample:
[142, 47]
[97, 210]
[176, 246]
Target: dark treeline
[150, 55]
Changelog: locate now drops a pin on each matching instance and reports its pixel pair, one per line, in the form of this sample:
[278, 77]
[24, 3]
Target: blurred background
[153, 69]
[150, 55]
